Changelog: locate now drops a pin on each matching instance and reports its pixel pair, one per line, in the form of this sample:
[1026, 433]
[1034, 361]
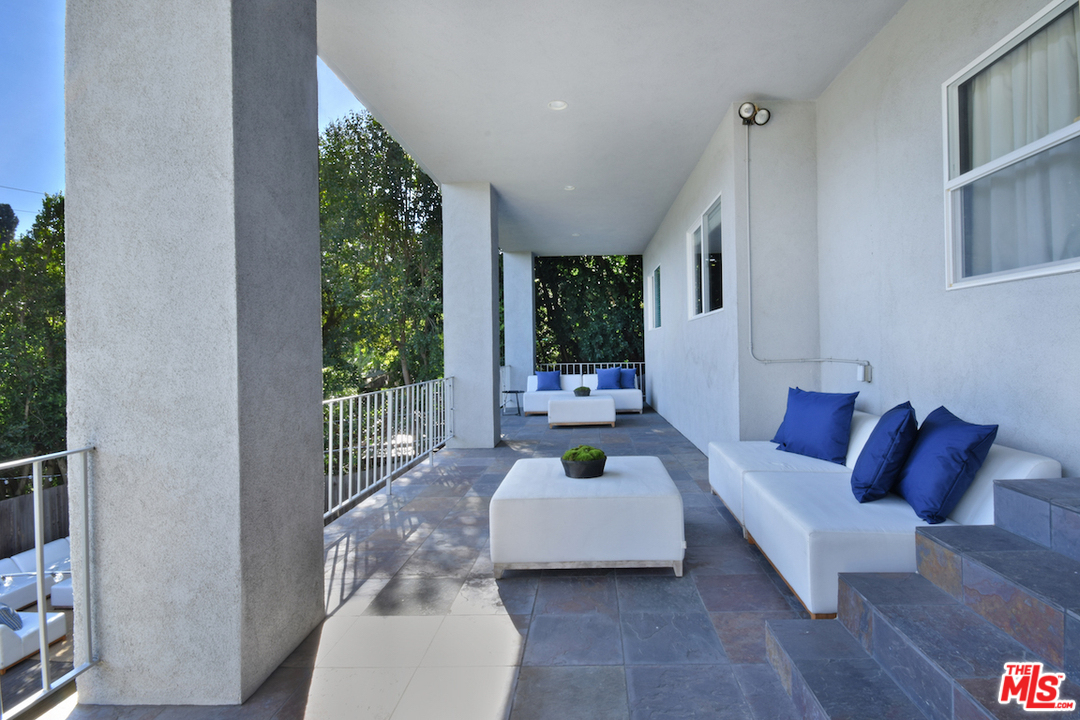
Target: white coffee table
[632, 516]
[598, 410]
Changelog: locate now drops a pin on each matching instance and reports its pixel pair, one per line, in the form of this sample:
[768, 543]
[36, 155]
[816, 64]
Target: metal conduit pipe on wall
[751, 114]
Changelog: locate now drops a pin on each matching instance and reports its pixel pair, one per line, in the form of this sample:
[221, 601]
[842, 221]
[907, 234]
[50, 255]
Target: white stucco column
[519, 316]
[194, 354]
[471, 310]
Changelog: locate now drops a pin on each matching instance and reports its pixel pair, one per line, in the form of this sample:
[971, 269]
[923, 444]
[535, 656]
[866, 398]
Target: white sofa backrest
[1002, 463]
[590, 381]
[55, 552]
[862, 424]
[568, 382]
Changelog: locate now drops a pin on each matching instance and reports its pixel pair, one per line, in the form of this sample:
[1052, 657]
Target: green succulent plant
[583, 453]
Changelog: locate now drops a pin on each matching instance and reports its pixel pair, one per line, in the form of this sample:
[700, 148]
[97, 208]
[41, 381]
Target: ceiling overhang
[464, 86]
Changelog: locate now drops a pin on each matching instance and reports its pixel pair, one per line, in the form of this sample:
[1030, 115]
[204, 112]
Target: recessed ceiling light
[568, 188]
[556, 105]
[575, 234]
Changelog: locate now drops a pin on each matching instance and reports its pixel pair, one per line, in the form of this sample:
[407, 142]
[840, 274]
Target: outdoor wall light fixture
[751, 114]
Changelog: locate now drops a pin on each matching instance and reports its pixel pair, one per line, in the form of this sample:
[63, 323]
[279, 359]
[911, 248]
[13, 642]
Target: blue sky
[32, 99]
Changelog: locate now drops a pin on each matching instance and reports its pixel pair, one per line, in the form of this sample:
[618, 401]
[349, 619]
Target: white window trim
[702, 224]
[653, 321]
[951, 134]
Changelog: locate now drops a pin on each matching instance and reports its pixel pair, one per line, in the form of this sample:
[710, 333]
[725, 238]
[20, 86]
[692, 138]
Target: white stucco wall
[701, 376]
[1000, 354]
[194, 353]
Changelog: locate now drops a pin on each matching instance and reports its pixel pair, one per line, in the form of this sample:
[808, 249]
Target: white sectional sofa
[802, 514]
[20, 591]
[535, 402]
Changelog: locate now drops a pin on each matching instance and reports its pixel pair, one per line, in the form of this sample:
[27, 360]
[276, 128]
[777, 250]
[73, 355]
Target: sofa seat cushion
[18, 644]
[625, 400]
[63, 596]
[537, 402]
[18, 592]
[730, 461]
[811, 528]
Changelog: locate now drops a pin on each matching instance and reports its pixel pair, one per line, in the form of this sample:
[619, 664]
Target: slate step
[1028, 591]
[944, 656]
[830, 676]
[1046, 512]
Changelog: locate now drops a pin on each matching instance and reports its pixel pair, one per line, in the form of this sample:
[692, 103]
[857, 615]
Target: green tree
[8, 223]
[381, 231]
[32, 342]
[589, 309]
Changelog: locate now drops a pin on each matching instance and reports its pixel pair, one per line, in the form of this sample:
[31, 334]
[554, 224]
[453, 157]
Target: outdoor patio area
[418, 628]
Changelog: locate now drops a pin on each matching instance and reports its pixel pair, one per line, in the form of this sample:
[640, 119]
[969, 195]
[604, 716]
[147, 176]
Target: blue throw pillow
[608, 379]
[10, 618]
[548, 381]
[628, 378]
[882, 458]
[817, 424]
[943, 462]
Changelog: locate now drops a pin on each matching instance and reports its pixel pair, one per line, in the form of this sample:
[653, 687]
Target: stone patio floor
[418, 628]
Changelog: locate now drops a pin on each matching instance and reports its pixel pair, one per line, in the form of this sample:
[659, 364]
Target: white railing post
[39, 559]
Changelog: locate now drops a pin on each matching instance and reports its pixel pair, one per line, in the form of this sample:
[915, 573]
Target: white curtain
[1027, 213]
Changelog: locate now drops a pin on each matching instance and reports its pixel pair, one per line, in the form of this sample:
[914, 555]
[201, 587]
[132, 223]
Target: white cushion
[57, 557]
[976, 507]
[633, 512]
[581, 411]
[18, 644]
[18, 592]
[62, 594]
[730, 461]
[811, 528]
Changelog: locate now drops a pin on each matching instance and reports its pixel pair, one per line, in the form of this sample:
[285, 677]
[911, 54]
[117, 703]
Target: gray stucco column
[194, 354]
[519, 316]
[471, 310]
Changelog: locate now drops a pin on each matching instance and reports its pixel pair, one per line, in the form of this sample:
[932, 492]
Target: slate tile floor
[417, 627]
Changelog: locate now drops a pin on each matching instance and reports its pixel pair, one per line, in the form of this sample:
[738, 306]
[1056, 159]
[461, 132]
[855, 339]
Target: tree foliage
[589, 309]
[381, 230]
[32, 342]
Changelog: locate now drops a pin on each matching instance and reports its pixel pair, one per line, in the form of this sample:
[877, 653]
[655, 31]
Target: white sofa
[803, 516]
[535, 402]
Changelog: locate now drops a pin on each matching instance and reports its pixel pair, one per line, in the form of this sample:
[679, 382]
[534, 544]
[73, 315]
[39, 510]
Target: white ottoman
[582, 411]
[632, 516]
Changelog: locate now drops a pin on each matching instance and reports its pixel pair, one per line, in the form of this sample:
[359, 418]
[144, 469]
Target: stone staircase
[933, 644]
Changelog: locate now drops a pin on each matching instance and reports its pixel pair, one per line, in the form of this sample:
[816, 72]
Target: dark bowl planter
[584, 468]
[582, 392]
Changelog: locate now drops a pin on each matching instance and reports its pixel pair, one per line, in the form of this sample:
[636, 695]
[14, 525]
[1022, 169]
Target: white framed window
[706, 263]
[1012, 144]
[656, 297]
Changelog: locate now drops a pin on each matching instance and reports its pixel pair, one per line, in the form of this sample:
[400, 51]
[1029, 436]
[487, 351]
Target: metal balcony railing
[588, 368]
[78, 478]
[373, 438]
